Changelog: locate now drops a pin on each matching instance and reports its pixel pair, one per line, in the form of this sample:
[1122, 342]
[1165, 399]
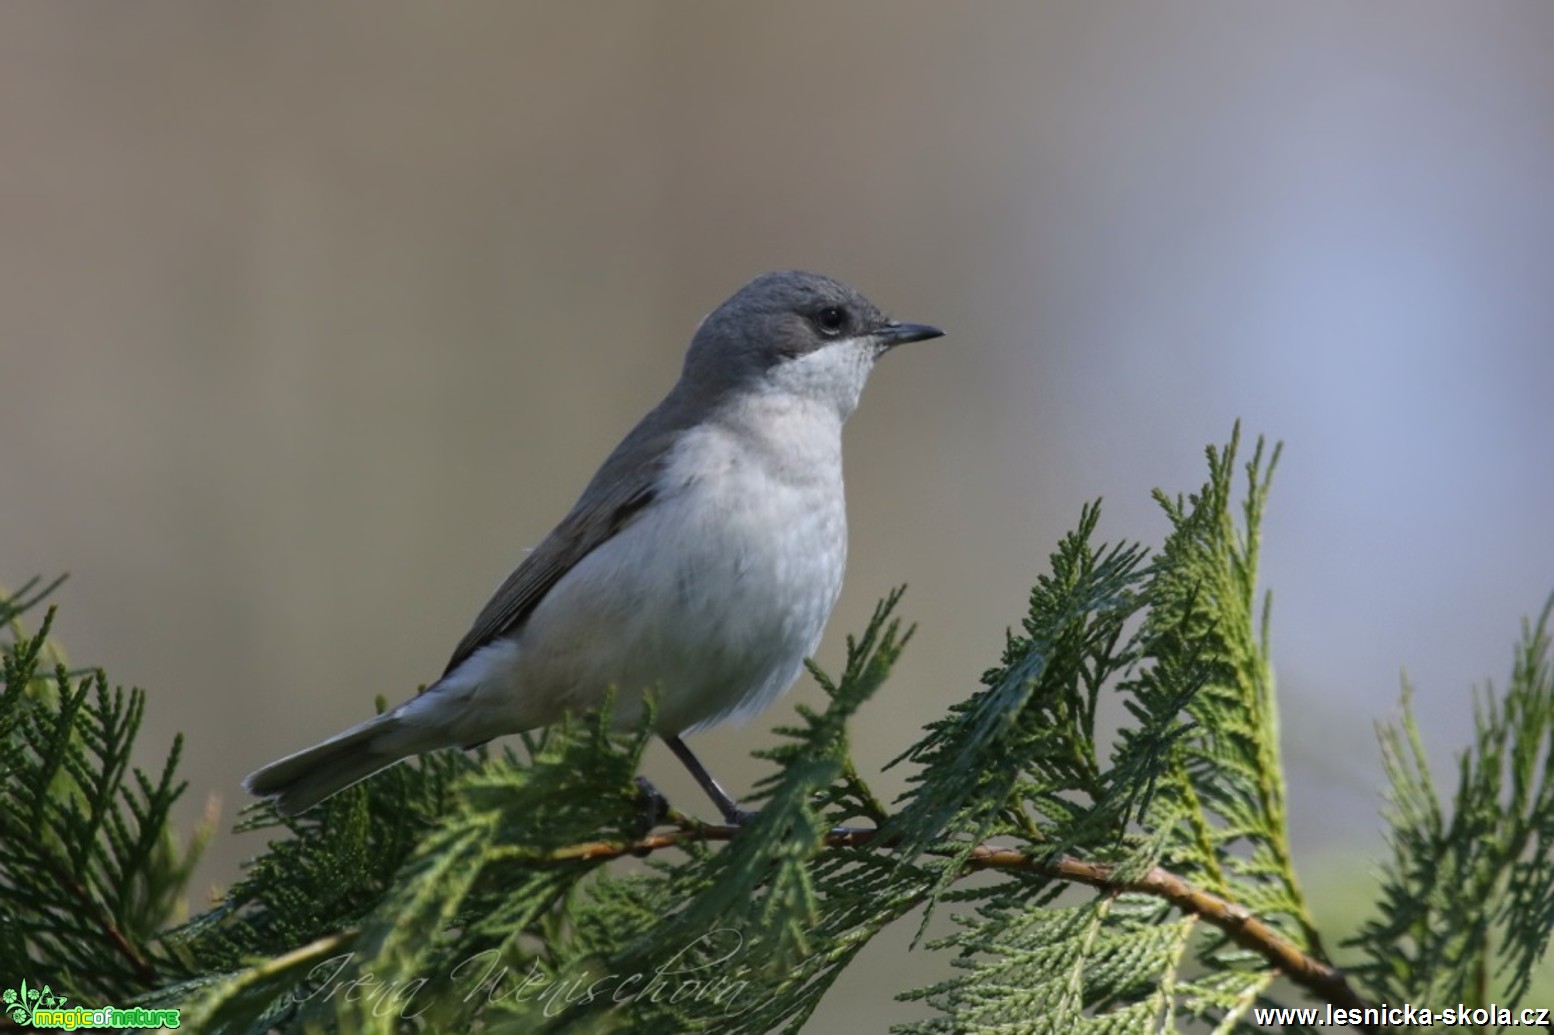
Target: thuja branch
[1244, 928]
[1322, 980]
[144, 972]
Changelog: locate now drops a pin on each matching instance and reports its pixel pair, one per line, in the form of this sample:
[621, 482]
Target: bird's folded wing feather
[615, 497]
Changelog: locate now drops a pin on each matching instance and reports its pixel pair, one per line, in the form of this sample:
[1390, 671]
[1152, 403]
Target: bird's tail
[300, 781]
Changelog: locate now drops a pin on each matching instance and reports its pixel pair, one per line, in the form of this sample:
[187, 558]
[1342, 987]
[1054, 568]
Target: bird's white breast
[714, 594]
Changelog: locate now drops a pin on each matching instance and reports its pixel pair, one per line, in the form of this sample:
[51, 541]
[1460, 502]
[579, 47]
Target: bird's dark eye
[831, 320]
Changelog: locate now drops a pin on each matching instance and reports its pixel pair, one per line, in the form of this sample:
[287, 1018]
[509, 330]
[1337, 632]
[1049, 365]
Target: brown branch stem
[1322, 980]
[144, 972]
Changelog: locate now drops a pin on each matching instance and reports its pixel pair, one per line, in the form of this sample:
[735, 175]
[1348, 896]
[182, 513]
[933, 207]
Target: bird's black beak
[893, 334]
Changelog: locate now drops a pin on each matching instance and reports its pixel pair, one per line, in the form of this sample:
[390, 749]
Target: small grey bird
[701, 561]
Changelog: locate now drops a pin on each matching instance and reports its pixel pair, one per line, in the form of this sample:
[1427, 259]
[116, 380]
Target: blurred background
[313, 317]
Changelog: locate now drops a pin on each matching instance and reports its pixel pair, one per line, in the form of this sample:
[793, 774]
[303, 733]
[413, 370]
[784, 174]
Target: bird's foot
[735, 816]
[654, 807]
[852, 835]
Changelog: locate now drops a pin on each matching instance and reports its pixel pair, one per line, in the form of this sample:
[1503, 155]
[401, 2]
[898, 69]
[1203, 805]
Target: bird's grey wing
[595, 519]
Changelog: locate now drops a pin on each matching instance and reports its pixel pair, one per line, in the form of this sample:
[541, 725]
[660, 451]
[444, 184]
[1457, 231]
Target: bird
[701, 562]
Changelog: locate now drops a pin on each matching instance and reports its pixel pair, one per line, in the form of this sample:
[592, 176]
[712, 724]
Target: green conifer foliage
[1136, 879]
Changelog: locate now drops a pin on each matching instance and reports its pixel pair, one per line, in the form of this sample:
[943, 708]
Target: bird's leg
[733, 815]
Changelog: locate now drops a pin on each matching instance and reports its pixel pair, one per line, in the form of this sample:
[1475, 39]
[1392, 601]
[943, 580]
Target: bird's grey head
[794, 334]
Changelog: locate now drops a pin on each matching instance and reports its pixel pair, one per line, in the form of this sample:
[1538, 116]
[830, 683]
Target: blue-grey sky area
[314, 317]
